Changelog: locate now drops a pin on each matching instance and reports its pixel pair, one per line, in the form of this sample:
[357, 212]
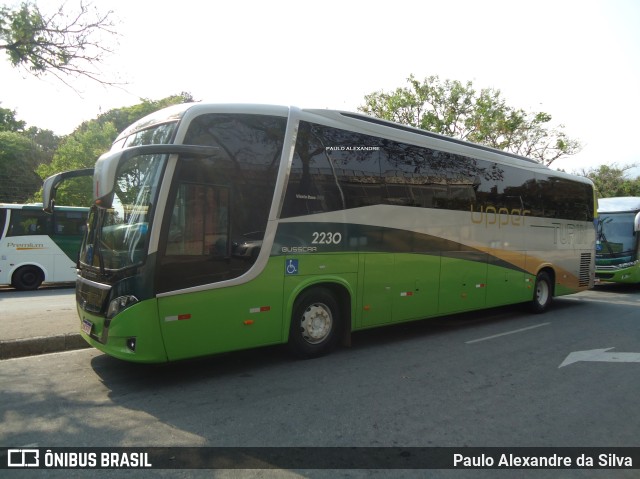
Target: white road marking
[616, 301]
[601, 355]
[507, 333]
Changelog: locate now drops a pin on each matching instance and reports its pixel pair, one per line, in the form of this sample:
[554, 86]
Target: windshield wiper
[601, 236]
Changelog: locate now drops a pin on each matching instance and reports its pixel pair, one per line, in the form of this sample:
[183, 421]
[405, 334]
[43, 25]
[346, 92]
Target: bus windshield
[116, 237]
[615, 233]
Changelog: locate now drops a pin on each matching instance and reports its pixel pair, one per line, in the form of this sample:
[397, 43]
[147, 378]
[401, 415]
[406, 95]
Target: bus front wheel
[27, 278]
[543, 293]
[314, 323]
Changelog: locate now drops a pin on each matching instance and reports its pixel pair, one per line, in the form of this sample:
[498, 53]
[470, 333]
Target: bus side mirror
[50, 186]
[636, 223]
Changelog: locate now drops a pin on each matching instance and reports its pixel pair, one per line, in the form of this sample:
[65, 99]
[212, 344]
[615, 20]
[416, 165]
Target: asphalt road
[48, 311]
[498, 378]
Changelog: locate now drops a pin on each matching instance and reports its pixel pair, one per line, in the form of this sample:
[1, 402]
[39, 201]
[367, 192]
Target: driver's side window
[199, 221]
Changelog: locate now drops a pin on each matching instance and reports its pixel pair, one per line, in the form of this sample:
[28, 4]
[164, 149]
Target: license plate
[87, 326]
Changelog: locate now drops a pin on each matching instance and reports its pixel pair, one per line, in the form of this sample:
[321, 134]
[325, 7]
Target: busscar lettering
[299, 249]
[490, 215]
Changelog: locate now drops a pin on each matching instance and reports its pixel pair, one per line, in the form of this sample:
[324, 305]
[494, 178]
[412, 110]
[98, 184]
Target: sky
[576, 60]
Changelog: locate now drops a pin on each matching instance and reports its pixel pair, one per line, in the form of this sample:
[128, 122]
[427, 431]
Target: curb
[19, 348]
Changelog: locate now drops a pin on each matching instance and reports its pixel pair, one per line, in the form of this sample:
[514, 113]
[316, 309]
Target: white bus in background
[36, 246]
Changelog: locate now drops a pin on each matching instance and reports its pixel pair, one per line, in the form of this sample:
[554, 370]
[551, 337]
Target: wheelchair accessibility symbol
[292, 266]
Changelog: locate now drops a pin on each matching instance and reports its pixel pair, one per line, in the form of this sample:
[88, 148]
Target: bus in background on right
[618, 245]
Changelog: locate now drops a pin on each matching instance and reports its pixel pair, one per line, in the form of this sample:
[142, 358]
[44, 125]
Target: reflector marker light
[406, 293]
[261, 309]
[180, 317]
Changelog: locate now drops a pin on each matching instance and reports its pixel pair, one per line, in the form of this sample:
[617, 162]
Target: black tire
[542, 293]
[27, 278]
[315, 323]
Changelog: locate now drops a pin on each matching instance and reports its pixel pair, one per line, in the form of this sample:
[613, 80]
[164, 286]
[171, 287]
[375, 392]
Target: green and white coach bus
[37, 247]
[223, 227]
[618, 242]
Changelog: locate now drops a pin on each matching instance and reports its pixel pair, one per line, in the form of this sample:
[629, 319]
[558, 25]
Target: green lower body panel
[383, 288]
[403, 287]
[224, 319]
[626, 275]
[133, 335]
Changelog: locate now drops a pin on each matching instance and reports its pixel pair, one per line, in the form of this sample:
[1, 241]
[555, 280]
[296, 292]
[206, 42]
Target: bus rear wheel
[314, 323]
[543, 293]
[27, 278]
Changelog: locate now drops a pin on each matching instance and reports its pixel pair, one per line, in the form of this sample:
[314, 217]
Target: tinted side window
[506, 187]
[336, 169]
[29, 222]
[3, 219]
[332, 170]
[418, 176]
[562, 198]
[69, 223]
[218, 207]
[199, 221]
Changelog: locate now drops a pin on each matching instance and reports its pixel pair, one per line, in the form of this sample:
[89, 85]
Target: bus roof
[618, 204]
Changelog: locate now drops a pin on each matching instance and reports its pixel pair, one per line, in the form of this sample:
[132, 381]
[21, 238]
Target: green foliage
[21, 151]
[21, 30]
[18, 159]
[63, 43]
[457, 110]
[84, 146]
[8, 121]
[121, 118]
[46, 140]
[610, 181]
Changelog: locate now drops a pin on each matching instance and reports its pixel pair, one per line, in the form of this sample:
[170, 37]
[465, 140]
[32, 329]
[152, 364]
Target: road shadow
[119, 375]
[621, 288]
[44, 290]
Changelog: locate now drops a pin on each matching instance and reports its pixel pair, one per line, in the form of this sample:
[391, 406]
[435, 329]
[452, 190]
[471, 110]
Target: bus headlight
[119, 304]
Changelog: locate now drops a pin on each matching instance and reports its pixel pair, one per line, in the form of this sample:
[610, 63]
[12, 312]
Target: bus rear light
[120, 304]
[131, 344]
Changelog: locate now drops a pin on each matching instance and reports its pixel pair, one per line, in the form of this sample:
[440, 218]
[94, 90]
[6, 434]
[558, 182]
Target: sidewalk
[51, 325]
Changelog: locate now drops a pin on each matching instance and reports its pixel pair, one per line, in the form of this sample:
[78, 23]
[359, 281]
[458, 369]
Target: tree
[457, 110]
[21, 151]
[610, 181]
[82, 148]
[8, 121]
[60, 44]
[123, 117]
[46, 140]
[18, 180]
